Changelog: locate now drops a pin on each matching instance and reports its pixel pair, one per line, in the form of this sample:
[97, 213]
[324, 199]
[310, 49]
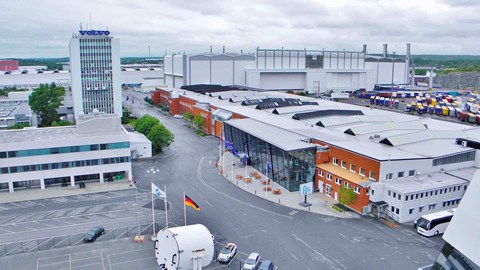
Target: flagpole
[153, 211]
[232, 166]
[184, 209]
[223, 150]
[166, 209]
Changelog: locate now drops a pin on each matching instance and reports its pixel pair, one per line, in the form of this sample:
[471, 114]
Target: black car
[93, 234]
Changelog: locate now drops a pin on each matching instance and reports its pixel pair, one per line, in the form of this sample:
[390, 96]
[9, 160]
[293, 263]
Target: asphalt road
[291, 239]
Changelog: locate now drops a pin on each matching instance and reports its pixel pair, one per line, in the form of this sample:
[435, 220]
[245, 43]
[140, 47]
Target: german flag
[191, 203]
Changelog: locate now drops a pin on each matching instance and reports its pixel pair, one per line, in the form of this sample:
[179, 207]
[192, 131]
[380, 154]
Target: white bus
[435, 223]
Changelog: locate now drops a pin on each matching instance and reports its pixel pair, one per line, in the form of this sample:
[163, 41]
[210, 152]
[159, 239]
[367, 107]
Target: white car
[178, 116]
[227, 253]
[252, 261]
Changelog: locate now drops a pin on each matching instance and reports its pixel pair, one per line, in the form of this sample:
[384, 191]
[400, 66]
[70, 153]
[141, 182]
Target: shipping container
[377, 100]
[438, 110]
[472, 118]
[457, 111]
[444, 110]
[434, 102]
[431, 109]
[429, 101]
[451, 111]
[382, 101]
[408, 108]
[396, 103]
[419, 108]
[441, 103]
[386, 102]
[463, 116]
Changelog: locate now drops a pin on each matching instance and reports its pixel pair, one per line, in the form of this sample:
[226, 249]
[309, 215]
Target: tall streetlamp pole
[153, 170]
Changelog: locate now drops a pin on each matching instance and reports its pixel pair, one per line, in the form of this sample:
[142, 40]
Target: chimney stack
[211, 48]
[385, 51]
[223, 48]
[364, 48]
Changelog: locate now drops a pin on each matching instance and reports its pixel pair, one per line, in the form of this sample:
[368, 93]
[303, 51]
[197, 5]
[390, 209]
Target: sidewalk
[58, 191]
[321, 204]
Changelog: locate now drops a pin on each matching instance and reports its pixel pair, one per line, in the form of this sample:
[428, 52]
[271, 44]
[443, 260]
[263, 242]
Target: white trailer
[186, 247]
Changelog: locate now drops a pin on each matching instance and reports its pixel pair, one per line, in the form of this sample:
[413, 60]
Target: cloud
[435, 26]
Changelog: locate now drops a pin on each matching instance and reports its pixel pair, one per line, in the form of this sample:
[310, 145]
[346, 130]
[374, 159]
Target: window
[362, 172]
[373, 176]
[389, 192]
[431, 206]
[416, 196]
[335, 161]
[399, 197]
[347, 185]
[356, 189]
[320, 173]
[338, 181]
[420, 209]
[394, 195]
[469, 156]
[436, 192]
[431, 193]
[465, 187]
[389, 176]
[353, 168]
[406, 198]
[329, 176]
[426, 194]
[410, 211]
[411, 173]
[421, 195]
[441, 191]
[344, 164]
[392, 209]
[400, 174]
[397, 211]
[372, 192]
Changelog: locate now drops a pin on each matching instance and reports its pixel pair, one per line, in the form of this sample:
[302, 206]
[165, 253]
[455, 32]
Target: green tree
[61, 123]
[145, 123]
[347, 196]
[160, 137]
[188, 116]
[45, 101]
[18, 126]
[199, 121]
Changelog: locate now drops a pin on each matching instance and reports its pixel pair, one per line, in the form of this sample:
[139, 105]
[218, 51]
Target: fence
[70, 240]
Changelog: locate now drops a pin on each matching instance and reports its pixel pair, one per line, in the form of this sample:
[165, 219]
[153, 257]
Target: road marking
[276, 221]
[202, 181]
[294, 257]
[293, 212]
[344, 236]
[129, 261]
[323, 258]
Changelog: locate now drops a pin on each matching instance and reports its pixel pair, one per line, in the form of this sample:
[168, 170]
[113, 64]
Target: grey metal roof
[279, 137]
[379, 127]
[423, 183]
[339, 121]
[422, 136]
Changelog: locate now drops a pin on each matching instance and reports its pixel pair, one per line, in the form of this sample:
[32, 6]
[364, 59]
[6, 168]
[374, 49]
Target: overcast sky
[37, 28]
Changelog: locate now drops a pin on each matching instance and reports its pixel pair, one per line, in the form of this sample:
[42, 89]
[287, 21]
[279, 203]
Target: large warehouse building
[401, 166]
[315, 71]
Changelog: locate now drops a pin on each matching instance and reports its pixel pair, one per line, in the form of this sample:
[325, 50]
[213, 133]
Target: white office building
[96, 149]
[95, 72]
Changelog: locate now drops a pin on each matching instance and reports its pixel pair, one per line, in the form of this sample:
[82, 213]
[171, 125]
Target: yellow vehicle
[444, 110]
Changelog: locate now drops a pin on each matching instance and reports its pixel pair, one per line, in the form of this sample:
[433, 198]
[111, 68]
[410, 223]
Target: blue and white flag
[268, 167]
[245, 158]
[158, 192]
[229, 145]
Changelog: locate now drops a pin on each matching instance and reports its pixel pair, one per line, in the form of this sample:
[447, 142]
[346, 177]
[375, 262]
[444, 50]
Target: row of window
[338, 181]
[433, 205]
[469, 156]
[353, 168]
[63, 150]
[431, 193]
[400, 174]
[63, 165]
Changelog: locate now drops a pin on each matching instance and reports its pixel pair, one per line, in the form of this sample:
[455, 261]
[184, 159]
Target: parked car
[227, 253]
[93, 234]
[252, 261]
[178, 116]
[266, 265]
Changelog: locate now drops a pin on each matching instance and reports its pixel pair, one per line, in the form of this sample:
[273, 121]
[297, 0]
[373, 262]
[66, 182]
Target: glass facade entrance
[287, 168]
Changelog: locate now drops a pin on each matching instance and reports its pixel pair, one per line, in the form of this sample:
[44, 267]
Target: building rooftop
[424, 183]
[279, 137]
[91, 126]
[346, 174]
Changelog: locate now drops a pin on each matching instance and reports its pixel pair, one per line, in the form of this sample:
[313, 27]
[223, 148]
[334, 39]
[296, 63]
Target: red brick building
[8, 65]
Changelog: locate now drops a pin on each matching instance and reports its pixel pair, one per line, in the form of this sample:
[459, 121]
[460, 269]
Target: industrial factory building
[398, 165]
[315, 71]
